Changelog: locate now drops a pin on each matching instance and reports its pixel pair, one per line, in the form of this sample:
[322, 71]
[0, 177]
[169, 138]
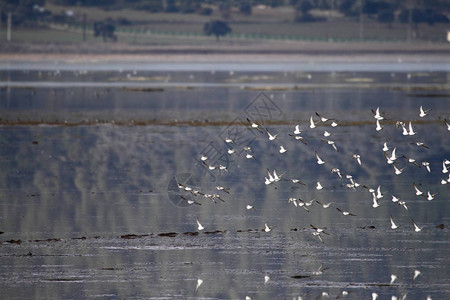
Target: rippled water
[90, 162]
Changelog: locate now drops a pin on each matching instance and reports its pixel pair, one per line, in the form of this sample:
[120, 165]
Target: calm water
[91, 157]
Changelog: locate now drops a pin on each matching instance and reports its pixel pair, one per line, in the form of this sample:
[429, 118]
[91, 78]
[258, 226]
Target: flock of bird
[272, 177]
[391, 156]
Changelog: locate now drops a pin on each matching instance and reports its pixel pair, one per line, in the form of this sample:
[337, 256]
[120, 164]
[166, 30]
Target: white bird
[249, 207]
[426, 165]
[332, 143]
[379, 194]
[231, 151]
[266, 279]
[444, 167]
[203, 157]
[199, 283]
[402, 203]
[418, 192]
[416, 228]
[334, 124]
[385, 147]
[397, 170]
[249, 156]
[393, 155]
[199, 226]
[319, 270]
[267, 181]
[271, 178]
[357, 157]
[294, 180]
[378, 128]
[319, 160]
[297, 129]
[421, 144]
[326, 133]
[405, 131]
[422, 112]
[319, 186]
[416, 274]
[393, 225]
[282, 150]
[393, 278]
[228, 140]
[411, 131]
[323, 119]
[395, 199]
[254, 125]
[318, 235]
[311, 123]
[324, 205]
[374, 199]
[345, 213]
[337, 171]
[299, 138]
[448, 124]
[377, 114]
[430, 196]
[374, 296]
[276, 178]
[271, 137]
[267, 228]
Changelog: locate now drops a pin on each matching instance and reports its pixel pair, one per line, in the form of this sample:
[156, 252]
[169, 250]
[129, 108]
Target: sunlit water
[90, 162]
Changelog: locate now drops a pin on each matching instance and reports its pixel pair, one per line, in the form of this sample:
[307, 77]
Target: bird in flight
[416, 228]
[319, 160]
[422, 112]
[345, 213]
[393, 225]
[199, 226]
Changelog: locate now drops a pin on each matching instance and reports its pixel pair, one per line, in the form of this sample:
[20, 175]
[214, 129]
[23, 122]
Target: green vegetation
[157, 21]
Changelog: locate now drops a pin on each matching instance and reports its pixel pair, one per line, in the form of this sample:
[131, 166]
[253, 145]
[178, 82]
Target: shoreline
[257, 52]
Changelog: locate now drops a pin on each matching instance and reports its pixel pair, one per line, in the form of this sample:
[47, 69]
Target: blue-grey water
[91, 158]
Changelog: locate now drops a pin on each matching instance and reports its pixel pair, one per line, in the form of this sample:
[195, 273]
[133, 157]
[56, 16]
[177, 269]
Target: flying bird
[416, 228]
[271, 137]
[312, 124]
[357, 157]
[319, 160]
[282, 150]
[418, 192]
[411, 130]
[422, 112]
[393, 225]
[377, 114]
[199, 226]
[345, 213]
[378, 127]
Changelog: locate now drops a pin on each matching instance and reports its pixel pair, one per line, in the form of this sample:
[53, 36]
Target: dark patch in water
[429, 95]
[132, 236]
[18, 242]
[169, 234]
[215, 232]
[300, 276]
[48, 240]
[191, 233]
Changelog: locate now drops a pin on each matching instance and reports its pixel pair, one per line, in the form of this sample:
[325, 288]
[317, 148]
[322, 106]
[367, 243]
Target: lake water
[91, 158]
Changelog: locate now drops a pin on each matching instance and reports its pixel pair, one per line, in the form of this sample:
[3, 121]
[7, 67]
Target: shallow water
[90, 206]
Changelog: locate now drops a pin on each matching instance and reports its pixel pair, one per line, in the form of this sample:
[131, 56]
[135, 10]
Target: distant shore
[257, 52]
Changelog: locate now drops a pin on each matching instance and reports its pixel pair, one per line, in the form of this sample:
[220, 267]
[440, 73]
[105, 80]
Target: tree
[217, 28]
[386, 17]
[105, 30]
[246, 8]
